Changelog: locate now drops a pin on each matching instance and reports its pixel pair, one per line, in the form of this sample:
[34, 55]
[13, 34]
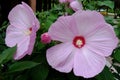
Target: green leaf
[22, 77]
[7, 55]
[105, 75]
[40, 72]
[19, 66]
[116, 55]
[109, 4]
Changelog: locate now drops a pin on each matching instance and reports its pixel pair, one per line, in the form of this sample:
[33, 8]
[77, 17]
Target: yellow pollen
[28, 32]
[79, 43]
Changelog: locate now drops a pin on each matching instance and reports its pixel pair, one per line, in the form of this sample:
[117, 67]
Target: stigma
[79, 41]
[28, 32]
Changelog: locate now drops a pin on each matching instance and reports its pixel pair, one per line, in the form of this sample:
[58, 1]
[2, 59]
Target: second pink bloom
[86, 40]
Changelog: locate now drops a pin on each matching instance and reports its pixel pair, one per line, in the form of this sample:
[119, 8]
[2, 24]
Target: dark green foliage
[7, 55]
[105, 75]
[35, 66]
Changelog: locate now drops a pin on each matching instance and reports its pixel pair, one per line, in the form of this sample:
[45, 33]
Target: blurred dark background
[7, 5]
[37, 5]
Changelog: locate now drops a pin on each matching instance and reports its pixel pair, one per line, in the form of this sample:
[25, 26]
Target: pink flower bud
[76, 5]
[62, 1]
[45, 38]
[70, 0]
[65, 1]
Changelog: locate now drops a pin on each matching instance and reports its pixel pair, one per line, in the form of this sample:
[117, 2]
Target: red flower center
[30, 29]
[79, 41]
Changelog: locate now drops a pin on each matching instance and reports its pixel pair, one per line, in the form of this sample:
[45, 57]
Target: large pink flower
[86, 40]
[22, 30]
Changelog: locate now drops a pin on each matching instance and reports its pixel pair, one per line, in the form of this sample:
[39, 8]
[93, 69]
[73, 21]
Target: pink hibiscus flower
[86, 40]
[22, 30]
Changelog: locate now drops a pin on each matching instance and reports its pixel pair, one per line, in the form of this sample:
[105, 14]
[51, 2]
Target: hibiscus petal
[62, 28]
[102, 40]
[61, 57]
[87, 64]
[32, 42]
[86, 21]
[13, 35]
[21, 15]
[22, 47]
[30, 11]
